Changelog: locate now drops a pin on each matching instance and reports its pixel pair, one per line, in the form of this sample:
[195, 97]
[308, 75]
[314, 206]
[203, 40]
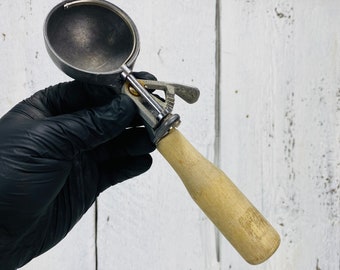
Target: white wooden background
[269, 74]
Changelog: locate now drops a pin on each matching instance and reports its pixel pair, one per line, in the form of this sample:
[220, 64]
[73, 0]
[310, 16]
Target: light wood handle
[232, 213]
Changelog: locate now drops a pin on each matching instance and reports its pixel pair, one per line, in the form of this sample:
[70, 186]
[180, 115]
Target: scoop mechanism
[97, 42]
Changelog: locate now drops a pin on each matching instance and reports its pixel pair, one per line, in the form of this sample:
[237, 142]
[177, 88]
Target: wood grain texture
[225, 205]
[280, 123]
[279, 119]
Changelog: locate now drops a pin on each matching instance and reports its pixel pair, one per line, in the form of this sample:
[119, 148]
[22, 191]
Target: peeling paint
[289, 140]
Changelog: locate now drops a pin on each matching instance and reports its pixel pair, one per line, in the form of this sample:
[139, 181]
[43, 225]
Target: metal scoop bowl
[97, 42]
[91, 40]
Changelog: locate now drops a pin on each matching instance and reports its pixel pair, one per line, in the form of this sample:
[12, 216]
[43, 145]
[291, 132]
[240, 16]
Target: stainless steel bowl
[91, 40]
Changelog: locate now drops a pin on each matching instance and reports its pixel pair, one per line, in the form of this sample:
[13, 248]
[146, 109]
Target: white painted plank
[280, 124]
[25, 68]
[151, 222]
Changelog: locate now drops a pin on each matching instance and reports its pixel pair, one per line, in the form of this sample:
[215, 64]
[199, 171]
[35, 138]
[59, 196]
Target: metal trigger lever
[160, 126]
[187, 93]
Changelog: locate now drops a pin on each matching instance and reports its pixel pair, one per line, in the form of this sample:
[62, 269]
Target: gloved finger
[67, 135]
[132, 142]
[62, 98]
[138, 121]
[144, 75]
[117, 170]
[76, 95]
[68, 97]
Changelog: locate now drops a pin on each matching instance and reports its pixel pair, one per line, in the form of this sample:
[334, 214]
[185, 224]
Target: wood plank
[280, 124]
[151, 222]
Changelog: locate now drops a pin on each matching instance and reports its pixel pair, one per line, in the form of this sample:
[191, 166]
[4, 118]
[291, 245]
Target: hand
[58, 150]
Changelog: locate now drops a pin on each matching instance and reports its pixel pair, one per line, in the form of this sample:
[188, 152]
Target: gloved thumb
[66, 135]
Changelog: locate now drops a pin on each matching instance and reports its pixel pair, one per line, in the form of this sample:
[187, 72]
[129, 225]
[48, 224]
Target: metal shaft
[127, 74]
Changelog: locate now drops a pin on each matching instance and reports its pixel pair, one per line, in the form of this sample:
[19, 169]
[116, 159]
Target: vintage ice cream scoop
[97, 42]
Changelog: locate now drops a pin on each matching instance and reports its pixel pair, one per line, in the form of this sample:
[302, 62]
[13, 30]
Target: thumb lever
[187, 93]
[160, 126]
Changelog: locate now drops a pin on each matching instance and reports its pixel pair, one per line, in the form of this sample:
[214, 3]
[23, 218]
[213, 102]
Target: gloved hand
[58, 150]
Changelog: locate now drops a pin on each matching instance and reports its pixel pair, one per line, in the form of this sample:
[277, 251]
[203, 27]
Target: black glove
[58, 150]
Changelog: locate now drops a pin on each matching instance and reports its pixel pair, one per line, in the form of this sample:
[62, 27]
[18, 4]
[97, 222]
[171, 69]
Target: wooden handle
[232, 213]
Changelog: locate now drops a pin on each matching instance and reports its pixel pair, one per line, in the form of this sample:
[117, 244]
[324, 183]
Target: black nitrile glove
[58, 150]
